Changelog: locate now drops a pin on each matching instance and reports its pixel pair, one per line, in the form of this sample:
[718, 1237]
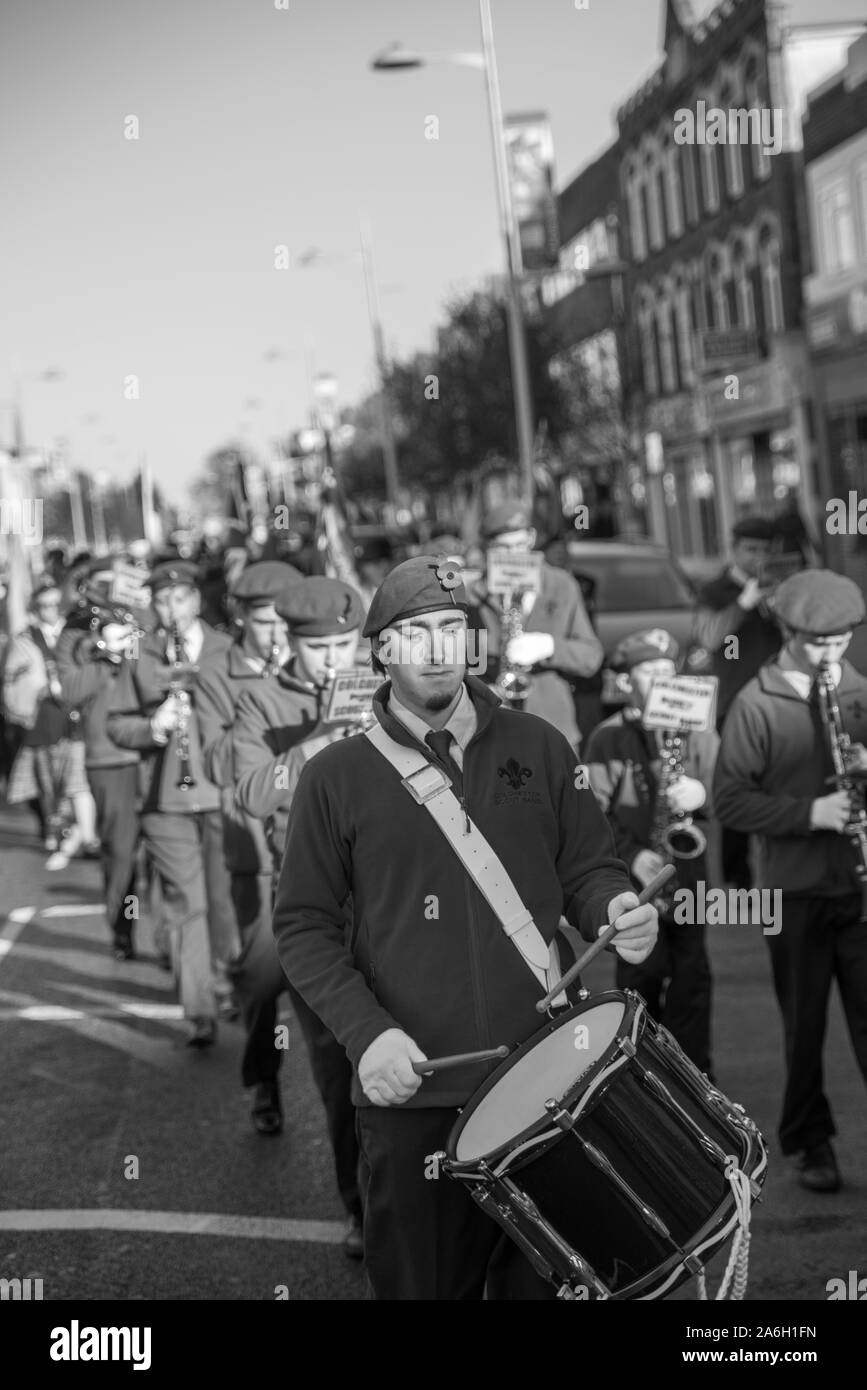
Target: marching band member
[428, 968]
[49, 764]
[88, 663]
[624, 764]
[772, 780]
[734, 605]
[258, 653]
[275, 719]
[181, 825]
[557, 640]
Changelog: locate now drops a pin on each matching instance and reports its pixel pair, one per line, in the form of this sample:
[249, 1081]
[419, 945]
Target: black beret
[753, 528]
[170, 572]
[420, 585]
[265, 582]
[320, 607]
[652, 644]
[819, 602]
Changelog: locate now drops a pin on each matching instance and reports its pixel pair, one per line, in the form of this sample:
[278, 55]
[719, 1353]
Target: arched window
[647, 337]
[734, 169]
[718, 296]
[656, 227]
[683, 329]
[709, 178]
[687, 160]
[756, 99]
[665, 331]
[745, 305]
[673, 189]
[772, 286]
[637, 227]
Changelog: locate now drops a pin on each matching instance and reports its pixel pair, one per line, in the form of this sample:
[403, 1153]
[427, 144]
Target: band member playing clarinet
[776, 778]
[440, 961]
[151, 710]
[646, 786]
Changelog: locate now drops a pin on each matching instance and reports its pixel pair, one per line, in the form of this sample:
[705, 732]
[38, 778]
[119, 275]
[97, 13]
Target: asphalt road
[96, 1074]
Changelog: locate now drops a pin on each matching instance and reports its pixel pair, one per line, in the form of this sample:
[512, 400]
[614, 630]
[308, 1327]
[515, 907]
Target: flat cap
[170, 572]
[319, 607]
[265, 582]
[652, 644]
[754, 528]
[819, 602]
[505, 516]
[420, 585]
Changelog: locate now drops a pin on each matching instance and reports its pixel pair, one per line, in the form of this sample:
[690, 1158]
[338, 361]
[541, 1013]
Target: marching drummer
[441, 960]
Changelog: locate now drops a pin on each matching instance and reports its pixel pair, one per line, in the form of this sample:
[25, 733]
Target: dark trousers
[114, 792]
[259, 981]
[425, 1237]
[821, 939]
[736, 867]
[675, 980]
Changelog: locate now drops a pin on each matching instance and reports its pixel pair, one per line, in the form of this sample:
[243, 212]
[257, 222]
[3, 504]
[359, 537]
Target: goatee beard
[438, 702]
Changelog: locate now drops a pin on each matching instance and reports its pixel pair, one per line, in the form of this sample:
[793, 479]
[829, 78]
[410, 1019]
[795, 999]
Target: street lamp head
[396, 58]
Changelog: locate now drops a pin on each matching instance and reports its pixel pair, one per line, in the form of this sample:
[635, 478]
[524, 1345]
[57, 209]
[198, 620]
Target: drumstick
[460, 1059]
[602, 941]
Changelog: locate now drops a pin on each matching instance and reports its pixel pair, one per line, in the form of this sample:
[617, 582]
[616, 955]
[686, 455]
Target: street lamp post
[397, 59]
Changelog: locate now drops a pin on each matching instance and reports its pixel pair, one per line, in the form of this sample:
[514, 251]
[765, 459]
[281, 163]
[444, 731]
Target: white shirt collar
[461, 725]
[802, 681]
[194, 640]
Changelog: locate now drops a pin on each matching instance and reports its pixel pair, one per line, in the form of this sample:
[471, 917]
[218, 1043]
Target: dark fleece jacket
[426, 953]
[772, 766]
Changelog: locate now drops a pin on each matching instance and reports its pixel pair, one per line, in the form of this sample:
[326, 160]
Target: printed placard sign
[129, 588]
[514, 571]
[350, 696]
[681, 702]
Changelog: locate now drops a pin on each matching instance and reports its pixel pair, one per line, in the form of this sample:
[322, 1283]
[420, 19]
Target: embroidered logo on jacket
[516, 776]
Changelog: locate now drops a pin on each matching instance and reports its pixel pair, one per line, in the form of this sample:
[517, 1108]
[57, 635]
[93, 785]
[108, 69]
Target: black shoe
[164, 960]
[353, 1241]
[267, 1112]
[123, 950]
[817, 1169]
[204, 1033]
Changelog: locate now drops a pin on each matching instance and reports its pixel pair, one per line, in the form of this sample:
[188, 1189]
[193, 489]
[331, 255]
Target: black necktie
[440, 740]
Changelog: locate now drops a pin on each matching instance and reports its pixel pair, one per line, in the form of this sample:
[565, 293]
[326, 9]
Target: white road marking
[72, 910]
[47, 1013]
[123, 1038]
[178, 1223]
[15, 924]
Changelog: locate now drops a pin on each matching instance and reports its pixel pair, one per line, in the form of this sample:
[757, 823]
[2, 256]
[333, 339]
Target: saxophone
[673, 834]
[513, 681]
[839, 744]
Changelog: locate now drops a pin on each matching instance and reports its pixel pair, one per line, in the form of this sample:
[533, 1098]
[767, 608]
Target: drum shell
[674, 1167]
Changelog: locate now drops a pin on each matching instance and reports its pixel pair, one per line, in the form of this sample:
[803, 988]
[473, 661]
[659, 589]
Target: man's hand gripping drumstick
[632, 920]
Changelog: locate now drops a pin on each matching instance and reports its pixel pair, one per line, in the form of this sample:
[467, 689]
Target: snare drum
[606, 1155]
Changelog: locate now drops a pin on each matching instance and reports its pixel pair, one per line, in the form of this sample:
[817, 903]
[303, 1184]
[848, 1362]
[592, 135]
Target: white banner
[687, 703]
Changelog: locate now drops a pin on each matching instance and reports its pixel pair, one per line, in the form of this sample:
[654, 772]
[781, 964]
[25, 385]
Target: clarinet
[186, 781]
[839, 743]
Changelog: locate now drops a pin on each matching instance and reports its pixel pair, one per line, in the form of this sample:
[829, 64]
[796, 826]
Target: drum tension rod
[562, 1118]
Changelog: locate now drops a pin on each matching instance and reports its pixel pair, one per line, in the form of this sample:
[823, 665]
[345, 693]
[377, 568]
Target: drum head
[547, 1071]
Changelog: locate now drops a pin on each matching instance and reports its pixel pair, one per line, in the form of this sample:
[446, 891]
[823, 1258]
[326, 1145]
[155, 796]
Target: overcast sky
[260, 127]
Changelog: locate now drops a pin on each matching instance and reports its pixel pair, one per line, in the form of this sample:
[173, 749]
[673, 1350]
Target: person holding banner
[278, 727]
[535, 619]
[431, 968]
[625, 766]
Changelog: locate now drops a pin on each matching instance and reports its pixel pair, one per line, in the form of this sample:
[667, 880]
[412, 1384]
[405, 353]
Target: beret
[265, 582]
[818, 602]
[506, 516]
[653, 644]
[319, 607]
[170, 572]
[420, 585]
[754, 528]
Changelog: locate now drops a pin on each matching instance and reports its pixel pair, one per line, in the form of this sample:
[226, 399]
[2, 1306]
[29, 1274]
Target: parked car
[628, 586]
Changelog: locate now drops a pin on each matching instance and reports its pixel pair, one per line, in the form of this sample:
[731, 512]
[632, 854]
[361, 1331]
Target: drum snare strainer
[609, 1158]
